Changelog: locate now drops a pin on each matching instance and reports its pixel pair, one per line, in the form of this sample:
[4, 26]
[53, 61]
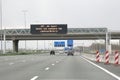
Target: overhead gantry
[72, 33]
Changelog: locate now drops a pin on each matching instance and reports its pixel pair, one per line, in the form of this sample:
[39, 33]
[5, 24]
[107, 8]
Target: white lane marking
[53, 64]
[57, 61]
[47, 68]
[34, 78]
[11, 63]
[105, 70]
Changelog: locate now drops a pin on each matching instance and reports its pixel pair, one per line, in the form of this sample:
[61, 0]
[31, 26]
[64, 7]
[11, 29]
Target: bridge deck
[73, 33]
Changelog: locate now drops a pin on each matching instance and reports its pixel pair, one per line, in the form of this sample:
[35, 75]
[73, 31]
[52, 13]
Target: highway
[58, 67]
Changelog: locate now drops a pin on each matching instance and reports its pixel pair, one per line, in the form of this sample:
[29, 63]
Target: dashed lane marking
[53, 64]
[34, 78]
[47, 68]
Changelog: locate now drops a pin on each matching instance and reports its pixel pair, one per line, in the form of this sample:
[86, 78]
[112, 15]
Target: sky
[75, 13]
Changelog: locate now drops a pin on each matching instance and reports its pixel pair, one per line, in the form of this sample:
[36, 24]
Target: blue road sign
[102, 50]
[62, 44]
[55, 44]
[70, 43]
[59, 44]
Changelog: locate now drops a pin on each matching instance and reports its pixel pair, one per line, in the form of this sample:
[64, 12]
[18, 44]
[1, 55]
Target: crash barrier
[116, 58]
[107, 57]
[97, 56]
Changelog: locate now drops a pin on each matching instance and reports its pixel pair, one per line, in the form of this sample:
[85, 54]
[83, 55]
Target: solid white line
[105, 70]
[34, 78]
[47, 68]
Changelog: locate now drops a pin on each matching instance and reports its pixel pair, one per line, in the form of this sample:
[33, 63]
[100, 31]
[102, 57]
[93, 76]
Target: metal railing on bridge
[70, 31]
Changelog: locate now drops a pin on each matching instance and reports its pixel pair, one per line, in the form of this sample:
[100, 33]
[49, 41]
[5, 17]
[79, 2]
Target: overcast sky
[75, 13]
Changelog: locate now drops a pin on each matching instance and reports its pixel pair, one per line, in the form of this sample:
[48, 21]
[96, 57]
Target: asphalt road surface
[58, 67]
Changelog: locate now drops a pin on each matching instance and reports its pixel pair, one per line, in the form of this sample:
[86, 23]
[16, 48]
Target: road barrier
[97, 56]
[116, 58]
[107, 57]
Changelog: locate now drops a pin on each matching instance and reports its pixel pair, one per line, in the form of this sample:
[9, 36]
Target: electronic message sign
[49, 29]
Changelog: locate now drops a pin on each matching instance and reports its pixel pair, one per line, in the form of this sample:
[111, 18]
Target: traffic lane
[15, 60]
[7, 58]
[27, 70]
[74, 68]
[16, 57]
[8, 72]
[5, 61]
[10, 60]
[17, 73]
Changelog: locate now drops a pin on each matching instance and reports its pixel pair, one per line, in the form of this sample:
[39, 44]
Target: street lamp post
[25, 21]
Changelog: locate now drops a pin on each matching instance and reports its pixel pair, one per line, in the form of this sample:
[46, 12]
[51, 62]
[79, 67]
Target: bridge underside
[56, 37]
[61, 37]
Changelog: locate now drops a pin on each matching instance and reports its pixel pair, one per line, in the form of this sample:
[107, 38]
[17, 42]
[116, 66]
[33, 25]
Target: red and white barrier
[116, 57]
[97, 56]
[107, 57]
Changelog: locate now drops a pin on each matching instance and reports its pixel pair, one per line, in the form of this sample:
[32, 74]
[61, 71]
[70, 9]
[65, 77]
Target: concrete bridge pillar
[15, 45]
[108, 43]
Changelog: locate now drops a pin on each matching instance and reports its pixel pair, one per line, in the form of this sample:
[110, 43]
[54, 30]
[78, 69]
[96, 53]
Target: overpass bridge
[73, 33]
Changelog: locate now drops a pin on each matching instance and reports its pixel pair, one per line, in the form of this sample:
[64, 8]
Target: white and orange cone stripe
[116, 57]
[97, 56]
[107, 57]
